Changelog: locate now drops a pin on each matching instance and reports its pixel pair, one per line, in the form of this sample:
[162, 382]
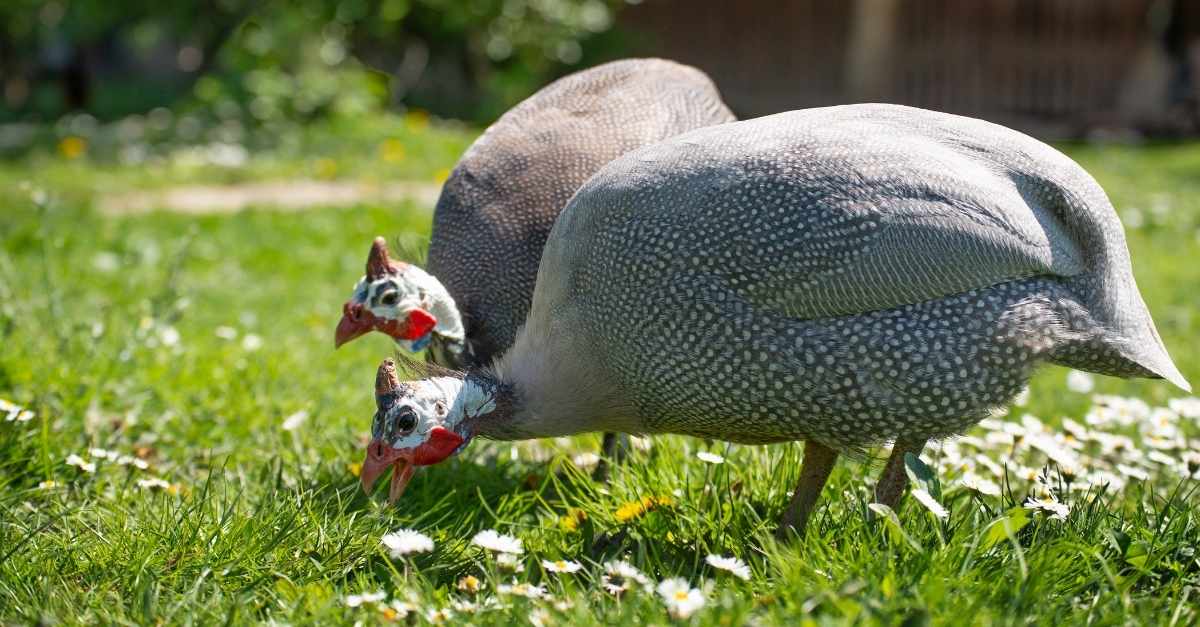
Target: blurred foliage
[273, 60]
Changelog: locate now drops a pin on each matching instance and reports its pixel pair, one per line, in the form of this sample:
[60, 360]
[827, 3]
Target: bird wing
[834, 226]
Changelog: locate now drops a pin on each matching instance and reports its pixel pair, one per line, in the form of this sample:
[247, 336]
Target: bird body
[843, 276]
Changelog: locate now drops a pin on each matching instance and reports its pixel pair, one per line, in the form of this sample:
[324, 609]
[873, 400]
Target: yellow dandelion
[634, 509]
[572, 520]
[355, 468]
[417, 119]
[72, 147]
[391, 150]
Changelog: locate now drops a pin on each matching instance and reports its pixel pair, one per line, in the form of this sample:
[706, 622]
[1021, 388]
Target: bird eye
[440, 408]
[406, 421]
[389, 298]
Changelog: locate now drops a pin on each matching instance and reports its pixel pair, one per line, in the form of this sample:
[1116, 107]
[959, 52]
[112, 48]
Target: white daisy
[439, 616]
[463, 606]
[510, 563]
[100, 453]
[980, 484]
[129, 460]
[711, 458]
[398, 609]
[540, 618]
[498, 542]
[355, 600]
[470, 584]
[81, 463]
[585, 461]
[48, 485]
[16, 413]
[293, 422]
[1080, 382]
[681, 599]
[561, 566]
[1133, 472]
[620, 576]
[930, 503]
[225, 333]
[1188, 407]
[730, 564]
[1059, 509]
[153, 483]
[1041, 497]
[168, 335]
[526, 590]
[252, 342]
[405, 541]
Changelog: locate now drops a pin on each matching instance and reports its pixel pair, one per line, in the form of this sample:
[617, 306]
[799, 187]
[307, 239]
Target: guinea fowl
[499, 204]
[843, 276]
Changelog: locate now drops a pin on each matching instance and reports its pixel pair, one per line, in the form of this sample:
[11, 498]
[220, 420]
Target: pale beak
[380, 457]
[356, 320]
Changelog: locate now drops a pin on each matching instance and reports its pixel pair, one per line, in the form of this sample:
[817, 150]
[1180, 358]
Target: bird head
[419, 423]
[391, 299]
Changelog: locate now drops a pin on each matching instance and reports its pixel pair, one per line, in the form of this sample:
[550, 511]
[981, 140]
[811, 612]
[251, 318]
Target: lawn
[194, 438]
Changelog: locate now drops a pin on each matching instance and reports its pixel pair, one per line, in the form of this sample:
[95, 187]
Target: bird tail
[1135, 350]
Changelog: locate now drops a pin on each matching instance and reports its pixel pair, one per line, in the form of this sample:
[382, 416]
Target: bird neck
[555, 388]
[496, 404]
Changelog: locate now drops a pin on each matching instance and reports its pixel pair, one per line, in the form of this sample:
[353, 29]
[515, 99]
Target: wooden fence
[1058, 67]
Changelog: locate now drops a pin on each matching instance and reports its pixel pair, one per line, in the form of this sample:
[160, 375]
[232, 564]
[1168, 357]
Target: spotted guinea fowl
[499, 204]
[843, 276]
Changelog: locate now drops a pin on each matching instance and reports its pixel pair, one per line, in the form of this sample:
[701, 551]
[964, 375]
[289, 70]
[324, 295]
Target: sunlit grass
[136, 335]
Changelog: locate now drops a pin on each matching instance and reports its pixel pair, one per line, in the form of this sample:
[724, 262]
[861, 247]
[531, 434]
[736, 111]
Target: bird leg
[894, 479]
[814, 472]
[613, 450]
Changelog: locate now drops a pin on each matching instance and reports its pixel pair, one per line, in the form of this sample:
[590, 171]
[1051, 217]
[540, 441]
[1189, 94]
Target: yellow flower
[469, 584]
[354, 468]
[417, 119]
[572, 520]
[72, 147]
[391, 150]
[634, 509]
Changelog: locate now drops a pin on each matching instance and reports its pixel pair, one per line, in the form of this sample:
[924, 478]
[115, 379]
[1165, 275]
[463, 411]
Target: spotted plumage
[501, 200]
[843, 276]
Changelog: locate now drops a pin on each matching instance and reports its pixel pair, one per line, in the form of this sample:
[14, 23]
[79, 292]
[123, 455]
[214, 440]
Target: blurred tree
[291, 58]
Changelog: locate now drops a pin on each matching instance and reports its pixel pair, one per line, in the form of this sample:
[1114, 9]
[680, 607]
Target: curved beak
[380, 457]
[356, 320]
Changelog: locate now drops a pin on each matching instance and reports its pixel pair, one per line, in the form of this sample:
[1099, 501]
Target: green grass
[264, 524]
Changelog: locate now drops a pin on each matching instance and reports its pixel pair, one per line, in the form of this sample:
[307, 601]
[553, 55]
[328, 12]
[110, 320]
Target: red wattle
[420, 322]
[441, 444]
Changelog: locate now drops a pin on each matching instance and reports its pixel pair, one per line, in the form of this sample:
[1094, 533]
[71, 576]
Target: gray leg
[814, 472]
[613, 449]
[893, 480]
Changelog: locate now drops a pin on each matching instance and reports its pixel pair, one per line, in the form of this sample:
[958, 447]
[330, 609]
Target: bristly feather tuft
[409, 369]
